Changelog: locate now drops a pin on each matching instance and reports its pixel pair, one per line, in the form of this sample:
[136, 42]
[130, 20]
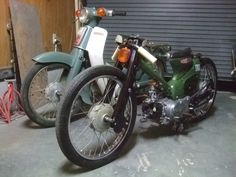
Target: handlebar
[166, 55]
[87, 14]
[118, 13]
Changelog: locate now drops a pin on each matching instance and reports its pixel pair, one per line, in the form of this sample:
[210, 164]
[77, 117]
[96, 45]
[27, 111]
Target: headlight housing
[119, 39]
[83, 18]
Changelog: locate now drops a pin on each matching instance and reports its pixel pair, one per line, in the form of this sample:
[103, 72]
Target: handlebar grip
[167, 48]
[147, 55]
[118, 13]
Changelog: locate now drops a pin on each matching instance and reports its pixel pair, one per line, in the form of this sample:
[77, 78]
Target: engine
[164, 109]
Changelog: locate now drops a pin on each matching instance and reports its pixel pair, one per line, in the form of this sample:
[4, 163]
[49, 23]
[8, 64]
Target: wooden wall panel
[27, 33]
[4, 38]
[56, 16]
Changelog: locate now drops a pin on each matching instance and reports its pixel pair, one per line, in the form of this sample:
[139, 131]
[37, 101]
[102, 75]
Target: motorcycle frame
[174, 88]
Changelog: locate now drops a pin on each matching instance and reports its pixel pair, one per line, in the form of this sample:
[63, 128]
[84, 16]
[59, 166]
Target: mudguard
[54, 57]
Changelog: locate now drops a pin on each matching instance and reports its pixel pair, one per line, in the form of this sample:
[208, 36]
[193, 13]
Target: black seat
[187, 52]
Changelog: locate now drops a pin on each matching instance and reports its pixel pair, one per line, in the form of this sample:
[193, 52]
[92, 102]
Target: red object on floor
[7, 100]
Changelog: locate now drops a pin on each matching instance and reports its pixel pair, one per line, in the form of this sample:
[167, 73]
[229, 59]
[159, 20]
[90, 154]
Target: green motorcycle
[45, 82]
[91, 132]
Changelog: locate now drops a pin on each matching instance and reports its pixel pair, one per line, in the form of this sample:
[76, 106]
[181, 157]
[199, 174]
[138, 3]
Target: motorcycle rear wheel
[41, 92]
[208, 77]
[85, 137]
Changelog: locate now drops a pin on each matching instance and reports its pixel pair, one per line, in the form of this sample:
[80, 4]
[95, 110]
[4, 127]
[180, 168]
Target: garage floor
[208, 149]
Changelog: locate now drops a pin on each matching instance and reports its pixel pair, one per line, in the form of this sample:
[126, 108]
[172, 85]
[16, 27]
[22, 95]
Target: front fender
[54, 57]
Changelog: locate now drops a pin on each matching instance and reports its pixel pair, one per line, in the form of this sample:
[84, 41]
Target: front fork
[78, 57]
[126, 91]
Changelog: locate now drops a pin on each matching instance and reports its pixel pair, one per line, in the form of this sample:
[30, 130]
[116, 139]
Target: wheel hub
[54, 91]
[99, 115]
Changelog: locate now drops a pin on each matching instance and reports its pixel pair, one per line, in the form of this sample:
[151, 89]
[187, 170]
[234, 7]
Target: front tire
[41, 92]
[86, 138]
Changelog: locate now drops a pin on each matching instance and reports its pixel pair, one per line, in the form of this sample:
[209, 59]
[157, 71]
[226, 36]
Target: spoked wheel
[85, 131]
[41, 92]
[207, 89]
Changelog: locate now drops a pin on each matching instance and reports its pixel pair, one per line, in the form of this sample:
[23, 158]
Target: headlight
[83, 18]
[119, 39]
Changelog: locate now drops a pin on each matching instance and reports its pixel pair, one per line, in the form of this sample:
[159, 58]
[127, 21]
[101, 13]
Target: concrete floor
[208, 149]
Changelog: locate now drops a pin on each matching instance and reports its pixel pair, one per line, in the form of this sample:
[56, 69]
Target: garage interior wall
[206, 26]
[56, 16]
[4, 39]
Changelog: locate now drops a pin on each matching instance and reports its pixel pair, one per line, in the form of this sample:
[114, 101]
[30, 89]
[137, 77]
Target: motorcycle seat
[186, 53]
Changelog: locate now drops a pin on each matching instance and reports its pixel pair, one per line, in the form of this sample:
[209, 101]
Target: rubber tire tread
[30, 112]
[62, 117]
[203, 62]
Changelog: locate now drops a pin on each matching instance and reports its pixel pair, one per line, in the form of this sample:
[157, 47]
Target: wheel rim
[90, 135]
[45, 90]
[207, 77]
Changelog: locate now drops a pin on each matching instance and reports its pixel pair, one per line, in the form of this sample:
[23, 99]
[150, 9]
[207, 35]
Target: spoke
[43, 76]
[81, 113]
[54, 104]
[205, 73]
[88, 126]
[94, 154]
[102, 144]
[105, 141]
[39, 90]
[76, 104]
[93, 88]
[91, 140]
[98, 138]
[83, 110]
[59, 74]
[90, 151]
[54, 112]
[102, 100]
[49, 115]
[203, 103]
[39, 102]
[38, 97]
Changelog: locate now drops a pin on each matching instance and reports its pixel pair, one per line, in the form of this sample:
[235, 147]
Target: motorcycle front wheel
[41, 92]
[84, 127]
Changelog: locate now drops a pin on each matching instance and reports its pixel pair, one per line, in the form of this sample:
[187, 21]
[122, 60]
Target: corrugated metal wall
[207, 26]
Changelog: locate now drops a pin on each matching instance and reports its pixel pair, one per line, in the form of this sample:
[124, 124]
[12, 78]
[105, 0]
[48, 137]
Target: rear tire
[208, 76]
[92, 154]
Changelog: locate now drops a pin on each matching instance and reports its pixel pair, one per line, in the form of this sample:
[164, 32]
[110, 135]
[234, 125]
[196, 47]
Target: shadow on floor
[30, 124]
[70, 168]
[150, 132]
